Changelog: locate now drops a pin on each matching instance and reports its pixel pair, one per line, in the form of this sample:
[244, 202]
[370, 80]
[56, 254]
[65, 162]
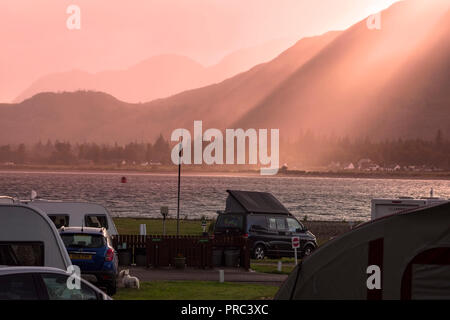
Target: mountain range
[157, 77]
[387, 83]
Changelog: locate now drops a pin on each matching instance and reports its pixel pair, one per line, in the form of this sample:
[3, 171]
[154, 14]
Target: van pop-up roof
[253, 202]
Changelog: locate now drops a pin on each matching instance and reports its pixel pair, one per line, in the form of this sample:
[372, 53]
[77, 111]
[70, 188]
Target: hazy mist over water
[144, 194]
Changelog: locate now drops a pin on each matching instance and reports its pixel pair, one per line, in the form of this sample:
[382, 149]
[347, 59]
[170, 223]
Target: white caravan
[385, 207]
[76, 214]
[29, 238]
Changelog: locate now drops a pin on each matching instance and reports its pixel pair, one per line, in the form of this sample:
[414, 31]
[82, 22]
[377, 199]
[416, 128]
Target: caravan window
[22, 253]
[96, 221]
[60, 220]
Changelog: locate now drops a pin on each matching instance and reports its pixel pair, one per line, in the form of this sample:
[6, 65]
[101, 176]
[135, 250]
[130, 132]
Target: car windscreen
[22, 253]
[230, 221]
[83, 240]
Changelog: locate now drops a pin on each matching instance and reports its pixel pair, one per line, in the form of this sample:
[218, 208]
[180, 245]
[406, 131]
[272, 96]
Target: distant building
[350, 166]
[367, 165]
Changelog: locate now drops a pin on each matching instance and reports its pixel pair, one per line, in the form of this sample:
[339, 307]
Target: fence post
[246, 256]
[147, 251]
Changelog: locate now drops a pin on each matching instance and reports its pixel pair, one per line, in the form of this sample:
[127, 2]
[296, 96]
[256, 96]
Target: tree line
[307, 150]
[65, 153]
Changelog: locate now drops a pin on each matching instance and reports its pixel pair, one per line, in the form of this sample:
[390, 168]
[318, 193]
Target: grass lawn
[155, 226]
[196, 290]
[267, 260]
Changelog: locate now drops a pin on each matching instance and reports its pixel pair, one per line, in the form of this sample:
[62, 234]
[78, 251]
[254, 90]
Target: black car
[266, 222]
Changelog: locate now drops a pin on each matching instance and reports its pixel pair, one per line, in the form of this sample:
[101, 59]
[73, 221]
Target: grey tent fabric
[431, 282]
[338, 269]
[253, 202]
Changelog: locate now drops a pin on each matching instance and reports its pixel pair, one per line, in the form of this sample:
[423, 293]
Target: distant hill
[383, 83]
[386, 83]
[157, 77]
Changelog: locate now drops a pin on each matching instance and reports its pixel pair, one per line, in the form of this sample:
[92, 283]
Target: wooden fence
[198, 251]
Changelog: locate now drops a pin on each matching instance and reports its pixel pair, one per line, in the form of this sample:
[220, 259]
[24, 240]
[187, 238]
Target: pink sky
[117, 34]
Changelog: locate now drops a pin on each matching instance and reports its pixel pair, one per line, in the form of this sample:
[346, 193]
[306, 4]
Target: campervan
[268, 225]
[75, 214]
[385, 207]
[29, 238]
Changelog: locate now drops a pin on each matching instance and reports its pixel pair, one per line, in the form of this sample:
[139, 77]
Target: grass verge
[196, 290]
[272, 268]
[155, 226]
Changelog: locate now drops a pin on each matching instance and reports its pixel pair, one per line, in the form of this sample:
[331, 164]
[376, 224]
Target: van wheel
[259, 252]
[308, 250]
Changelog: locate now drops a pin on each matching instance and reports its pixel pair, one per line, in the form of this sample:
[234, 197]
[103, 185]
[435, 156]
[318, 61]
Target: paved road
[231, 275]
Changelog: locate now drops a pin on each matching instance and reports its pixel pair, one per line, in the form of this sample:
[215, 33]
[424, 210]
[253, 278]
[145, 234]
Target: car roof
[4, 270]
[87, 230]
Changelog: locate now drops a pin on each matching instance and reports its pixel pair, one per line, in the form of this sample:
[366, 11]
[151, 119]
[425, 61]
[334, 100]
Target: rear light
[109, 255]
[245, 235]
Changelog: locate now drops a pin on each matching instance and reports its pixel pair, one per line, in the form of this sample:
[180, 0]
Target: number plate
[77, 256]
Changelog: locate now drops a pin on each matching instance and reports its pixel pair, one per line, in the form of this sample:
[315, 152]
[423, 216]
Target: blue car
[91, 249]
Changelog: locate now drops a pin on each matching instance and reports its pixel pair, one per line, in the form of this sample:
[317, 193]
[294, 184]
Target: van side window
[60, 220]
[293, 225]
[96, 221]
[22, 253]
[277, 223]
[281, 223]
[256, 222]
[272, 224]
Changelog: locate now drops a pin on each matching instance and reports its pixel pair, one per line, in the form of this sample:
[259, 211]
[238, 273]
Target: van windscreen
[230, 221]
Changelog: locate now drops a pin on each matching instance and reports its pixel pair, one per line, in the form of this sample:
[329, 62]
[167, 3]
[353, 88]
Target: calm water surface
[144, 194]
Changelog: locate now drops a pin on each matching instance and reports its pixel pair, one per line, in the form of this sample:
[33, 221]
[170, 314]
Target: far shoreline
[186, 171]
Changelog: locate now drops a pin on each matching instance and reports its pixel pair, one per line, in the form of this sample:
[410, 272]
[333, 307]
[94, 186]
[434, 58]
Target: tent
[411, 249]
[253, 202]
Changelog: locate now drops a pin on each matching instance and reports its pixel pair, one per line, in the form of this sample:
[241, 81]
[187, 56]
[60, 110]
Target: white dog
[127, 280]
